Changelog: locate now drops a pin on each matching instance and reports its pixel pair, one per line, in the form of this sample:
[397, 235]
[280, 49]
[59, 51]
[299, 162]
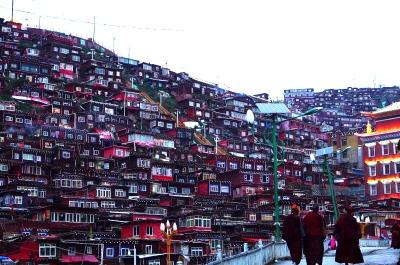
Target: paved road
[372, 256]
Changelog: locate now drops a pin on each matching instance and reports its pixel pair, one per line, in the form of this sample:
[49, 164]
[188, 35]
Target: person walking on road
[347, 233]
[395, 230]
[314, 228]
[292, 234]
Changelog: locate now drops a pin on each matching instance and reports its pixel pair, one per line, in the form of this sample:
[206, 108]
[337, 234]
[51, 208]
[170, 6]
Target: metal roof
[272, 108]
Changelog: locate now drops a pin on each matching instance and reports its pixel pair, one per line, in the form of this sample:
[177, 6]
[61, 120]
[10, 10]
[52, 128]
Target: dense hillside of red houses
[97, 150]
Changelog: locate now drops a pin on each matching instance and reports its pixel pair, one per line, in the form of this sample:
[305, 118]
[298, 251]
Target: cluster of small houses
[97, 150]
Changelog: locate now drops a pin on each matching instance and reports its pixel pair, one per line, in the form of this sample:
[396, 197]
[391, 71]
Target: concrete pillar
[260, 243]
[245, 247]
[219, 252]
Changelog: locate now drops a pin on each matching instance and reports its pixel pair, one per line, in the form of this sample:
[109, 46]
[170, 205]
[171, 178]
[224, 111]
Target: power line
[94, 23]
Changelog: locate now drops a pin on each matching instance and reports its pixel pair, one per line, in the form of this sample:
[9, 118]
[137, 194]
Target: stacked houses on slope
[97, 150]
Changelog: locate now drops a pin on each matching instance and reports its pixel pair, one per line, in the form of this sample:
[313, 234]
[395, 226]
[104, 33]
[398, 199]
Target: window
[224, 189]
[397, 167]
[397, 184]
[3, 167]
[252, 217]
[27, 157]
[196, 251]
[136, 230]
[133, 189]
[120, 193]
[18, 199]
[124, 252]
[385, 149]
[103, 193]
[154, 262]
[372, 171]
[109, 252]
[373, 190]
[371, 151]
[265, 178]
[16, 156]
[47, 250]
[149, 230]
[71, 251]
[214, 188]
[143, 187]
[386, 169]
[66, 154]
[186, 191]
[248, 166]
[148, 249]
[387, 188]
[220, 164]
[89, 250]
[233, 165]
[248, 177]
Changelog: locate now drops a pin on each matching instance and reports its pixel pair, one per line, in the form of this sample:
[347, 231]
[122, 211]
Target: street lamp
[168, 232]
[274, 109]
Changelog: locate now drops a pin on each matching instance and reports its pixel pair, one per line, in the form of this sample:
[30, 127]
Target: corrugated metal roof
[272, 108]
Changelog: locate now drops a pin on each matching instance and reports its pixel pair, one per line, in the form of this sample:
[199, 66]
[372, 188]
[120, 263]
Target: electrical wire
[92, 22]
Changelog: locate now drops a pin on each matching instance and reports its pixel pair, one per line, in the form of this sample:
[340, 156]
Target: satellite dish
[250, 116]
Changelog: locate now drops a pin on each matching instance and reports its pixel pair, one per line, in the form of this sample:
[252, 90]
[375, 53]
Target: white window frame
[214, 188]
[136, 231]
[110, 252]
[385, 147]
[386, 169]
[50, 250]
[149, 231]
[387, 188]
[372, 170]
[397, 185]
[373, 190]
[371, 151]
[148, 249]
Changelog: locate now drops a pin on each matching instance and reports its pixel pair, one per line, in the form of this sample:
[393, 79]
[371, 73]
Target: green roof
[272, 108]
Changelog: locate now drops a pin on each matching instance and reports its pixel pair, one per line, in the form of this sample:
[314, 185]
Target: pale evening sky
[247, 46]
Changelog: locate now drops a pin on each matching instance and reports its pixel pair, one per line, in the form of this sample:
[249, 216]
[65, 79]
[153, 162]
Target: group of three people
[309, 235]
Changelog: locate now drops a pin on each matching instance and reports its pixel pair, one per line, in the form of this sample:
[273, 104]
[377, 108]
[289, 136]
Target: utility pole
[114, 46]
[12, 10]
[94, 27]
[124, 103]
[328, 172]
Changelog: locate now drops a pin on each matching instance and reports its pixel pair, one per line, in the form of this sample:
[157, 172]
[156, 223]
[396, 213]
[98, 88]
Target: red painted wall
[127, 230]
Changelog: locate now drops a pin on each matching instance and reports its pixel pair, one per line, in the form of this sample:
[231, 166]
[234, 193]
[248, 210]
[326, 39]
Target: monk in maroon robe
[347, 233]
[395, 230]
[292, 235]
[314, 228]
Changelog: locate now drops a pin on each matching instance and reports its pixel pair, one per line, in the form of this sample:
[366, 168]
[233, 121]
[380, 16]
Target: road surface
[372, 256]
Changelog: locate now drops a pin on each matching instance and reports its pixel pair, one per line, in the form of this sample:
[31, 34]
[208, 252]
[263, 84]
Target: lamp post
[168, 232]
[330, 176]
[275, 123]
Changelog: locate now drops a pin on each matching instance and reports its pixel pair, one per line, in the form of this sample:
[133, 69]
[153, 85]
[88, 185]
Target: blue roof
[273, 108]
